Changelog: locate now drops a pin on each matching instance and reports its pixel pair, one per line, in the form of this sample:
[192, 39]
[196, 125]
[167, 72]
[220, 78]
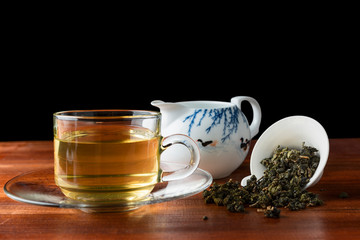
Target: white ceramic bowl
[290, 132]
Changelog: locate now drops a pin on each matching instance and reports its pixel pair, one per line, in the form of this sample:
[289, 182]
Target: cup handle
[194, 152]
[255, 124]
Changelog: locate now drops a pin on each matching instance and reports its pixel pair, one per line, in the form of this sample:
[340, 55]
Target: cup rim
[106, 114]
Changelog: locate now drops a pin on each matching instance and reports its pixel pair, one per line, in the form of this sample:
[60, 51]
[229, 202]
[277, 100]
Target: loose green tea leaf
[287, 172]
[343, 195]
[270, 212]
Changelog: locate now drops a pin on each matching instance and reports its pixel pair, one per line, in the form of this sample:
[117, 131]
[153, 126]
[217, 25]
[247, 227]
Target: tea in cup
[113, 155]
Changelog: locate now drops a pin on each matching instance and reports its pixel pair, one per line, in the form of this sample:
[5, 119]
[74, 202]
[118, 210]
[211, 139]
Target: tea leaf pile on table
[286, 174]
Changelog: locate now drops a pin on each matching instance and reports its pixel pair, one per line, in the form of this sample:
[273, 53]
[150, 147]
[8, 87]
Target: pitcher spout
[169, 111]
[167, 106]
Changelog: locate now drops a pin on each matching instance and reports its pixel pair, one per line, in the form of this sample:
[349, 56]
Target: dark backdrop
[293, 67]
[27, 108]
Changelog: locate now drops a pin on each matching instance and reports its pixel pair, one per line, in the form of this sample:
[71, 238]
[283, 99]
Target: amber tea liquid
[107, 163]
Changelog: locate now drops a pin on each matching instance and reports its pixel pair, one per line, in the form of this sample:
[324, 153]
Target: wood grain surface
[183, 219]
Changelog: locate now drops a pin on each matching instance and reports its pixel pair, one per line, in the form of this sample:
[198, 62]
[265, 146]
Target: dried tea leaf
[287, 172]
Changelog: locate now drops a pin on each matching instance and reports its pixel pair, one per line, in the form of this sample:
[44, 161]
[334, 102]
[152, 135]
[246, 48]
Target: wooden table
[183, 219]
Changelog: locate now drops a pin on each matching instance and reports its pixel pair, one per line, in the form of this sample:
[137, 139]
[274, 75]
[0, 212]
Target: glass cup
[113, 155]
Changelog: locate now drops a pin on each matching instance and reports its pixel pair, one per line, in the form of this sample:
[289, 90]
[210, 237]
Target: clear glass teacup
[113, 155]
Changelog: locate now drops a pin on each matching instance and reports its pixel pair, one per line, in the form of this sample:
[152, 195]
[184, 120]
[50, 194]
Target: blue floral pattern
[228, 118]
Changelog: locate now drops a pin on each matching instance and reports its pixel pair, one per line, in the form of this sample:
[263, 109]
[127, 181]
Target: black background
[290, 67]
[27, 113]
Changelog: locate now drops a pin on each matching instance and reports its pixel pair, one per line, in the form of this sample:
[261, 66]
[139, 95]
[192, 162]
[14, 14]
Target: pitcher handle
[255, 124]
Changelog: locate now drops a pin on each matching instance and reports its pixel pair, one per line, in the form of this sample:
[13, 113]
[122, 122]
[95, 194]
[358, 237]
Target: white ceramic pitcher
[220, 129]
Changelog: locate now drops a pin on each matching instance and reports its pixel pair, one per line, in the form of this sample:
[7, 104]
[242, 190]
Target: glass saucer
[39, 188]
